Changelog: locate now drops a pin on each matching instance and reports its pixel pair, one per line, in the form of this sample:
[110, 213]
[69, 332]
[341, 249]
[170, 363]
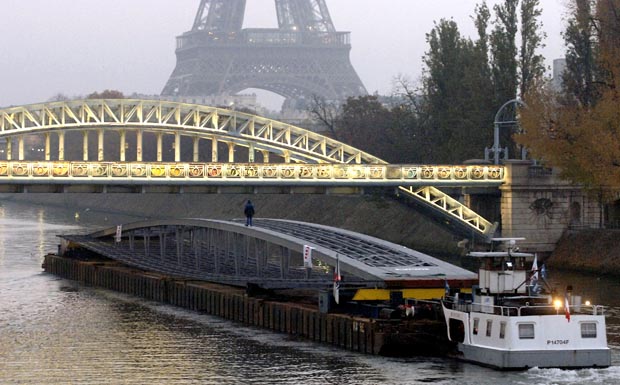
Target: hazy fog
[76, 47]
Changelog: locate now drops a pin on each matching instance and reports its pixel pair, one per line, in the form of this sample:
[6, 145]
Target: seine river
[54, 331]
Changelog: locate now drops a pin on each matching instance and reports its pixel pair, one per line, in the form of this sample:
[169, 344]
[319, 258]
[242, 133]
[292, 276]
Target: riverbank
[592, 251]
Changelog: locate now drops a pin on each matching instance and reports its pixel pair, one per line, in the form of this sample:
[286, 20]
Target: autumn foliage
[582, 140]
[107, 94]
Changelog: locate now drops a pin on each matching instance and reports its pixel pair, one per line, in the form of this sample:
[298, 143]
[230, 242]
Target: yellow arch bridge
[74, 146]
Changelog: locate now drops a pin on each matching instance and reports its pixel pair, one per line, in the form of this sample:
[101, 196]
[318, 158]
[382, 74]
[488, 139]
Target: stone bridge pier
[539, 206]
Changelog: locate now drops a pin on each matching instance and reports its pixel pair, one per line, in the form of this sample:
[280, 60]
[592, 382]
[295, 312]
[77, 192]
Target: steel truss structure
[438, 200]
[268, 254]
[201, 122]
[307, 158]
[304, 57]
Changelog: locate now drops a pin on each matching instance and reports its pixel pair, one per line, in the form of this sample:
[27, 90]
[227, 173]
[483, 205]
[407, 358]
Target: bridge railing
[226, 173]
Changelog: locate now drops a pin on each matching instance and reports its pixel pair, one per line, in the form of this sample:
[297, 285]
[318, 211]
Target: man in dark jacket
[249, 213]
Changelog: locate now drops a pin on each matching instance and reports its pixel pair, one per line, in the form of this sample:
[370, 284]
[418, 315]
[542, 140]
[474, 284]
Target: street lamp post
[496, 149]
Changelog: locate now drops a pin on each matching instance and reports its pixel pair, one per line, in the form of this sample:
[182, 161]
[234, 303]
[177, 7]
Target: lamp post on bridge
[496, 149]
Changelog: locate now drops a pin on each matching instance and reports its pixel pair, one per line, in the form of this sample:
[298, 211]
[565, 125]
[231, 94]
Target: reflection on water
[54, 331]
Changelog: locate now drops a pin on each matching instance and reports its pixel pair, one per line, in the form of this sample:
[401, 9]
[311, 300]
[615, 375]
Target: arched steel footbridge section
[268, 254]
[302, 157]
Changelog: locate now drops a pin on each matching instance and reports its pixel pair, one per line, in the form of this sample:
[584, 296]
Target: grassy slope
[373, 215]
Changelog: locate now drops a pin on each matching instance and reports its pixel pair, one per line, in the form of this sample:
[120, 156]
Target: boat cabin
[503, 272]
[506, 327]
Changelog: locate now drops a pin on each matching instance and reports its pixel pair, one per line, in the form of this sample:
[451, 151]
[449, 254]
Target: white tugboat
[506, 324]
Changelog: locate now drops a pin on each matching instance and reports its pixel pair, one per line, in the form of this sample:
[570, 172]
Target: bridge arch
[235, 128]
[293, 144]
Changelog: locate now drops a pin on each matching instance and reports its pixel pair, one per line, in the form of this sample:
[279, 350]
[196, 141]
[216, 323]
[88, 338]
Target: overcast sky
[76, 47]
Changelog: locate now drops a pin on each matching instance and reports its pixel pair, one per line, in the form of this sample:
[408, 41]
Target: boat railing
[523, 310]
[551, 309]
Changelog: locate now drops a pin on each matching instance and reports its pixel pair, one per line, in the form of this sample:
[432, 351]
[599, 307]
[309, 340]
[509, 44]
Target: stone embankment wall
[538, 205]
[595, 251]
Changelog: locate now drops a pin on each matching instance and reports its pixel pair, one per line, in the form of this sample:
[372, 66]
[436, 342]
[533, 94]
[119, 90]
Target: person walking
[249, 213]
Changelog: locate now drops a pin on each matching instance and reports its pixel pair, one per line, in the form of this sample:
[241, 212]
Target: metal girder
[280, 64]
[188, 119]
[302, 58]
[442, 202]
[304, 15]
[220, 16]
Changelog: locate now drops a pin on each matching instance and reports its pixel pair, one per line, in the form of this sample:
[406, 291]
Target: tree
[363, 123]
[578, 80]
[442, 85]
[388, 132]
[512, 74]
[504, 64]
[504, 52]
[59, 97]
[413, 121]
[608, 28]
[483, 109]
[582, 139]
[107, 94]
[326, 113]
[458, 90]
[481, 21]
[531, 63]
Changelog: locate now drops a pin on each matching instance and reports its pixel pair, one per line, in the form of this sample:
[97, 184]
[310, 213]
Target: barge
[511, 322]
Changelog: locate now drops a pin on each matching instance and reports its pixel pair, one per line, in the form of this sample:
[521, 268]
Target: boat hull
[518, 360]
[493, 340]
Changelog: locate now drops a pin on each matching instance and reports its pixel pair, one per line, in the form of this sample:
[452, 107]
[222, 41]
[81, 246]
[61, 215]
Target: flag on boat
[447, 287]
[566, 308]
[337, 279]
[534, 287]
[543, 272]
[535, 268]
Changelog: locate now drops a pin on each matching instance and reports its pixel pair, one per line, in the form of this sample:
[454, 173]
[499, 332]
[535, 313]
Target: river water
[54, 331]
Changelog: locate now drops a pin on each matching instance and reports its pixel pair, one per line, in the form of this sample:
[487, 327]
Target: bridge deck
[268, 254]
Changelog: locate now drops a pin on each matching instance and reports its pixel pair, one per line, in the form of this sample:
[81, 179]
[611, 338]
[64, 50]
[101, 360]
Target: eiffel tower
[303, 58]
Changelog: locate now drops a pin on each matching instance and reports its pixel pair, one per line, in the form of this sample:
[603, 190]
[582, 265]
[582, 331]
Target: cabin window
[502, 330]
[489, 327]
[526, 331]
[476, 325]
[588, 330]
